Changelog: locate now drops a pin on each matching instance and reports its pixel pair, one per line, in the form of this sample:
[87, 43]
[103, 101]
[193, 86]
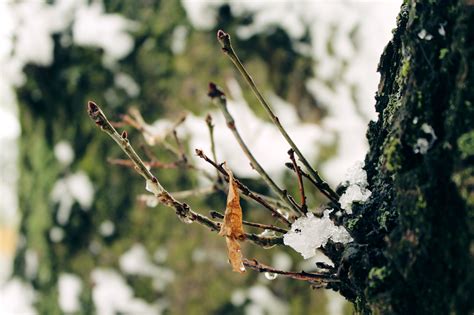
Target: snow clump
[309, 233]
[357, 190]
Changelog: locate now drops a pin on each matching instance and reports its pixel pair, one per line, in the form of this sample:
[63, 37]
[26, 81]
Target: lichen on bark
[412, 238]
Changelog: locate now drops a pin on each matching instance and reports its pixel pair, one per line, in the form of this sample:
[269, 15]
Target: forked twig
[244, 189]
[335, 201]
[183, 211]
[219, 98]
[303, 207]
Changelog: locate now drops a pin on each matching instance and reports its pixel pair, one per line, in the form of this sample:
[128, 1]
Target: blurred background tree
[95, 234]
[81, 225]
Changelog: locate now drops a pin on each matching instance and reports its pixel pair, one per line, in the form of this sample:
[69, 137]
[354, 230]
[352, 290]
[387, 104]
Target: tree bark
[411, 253]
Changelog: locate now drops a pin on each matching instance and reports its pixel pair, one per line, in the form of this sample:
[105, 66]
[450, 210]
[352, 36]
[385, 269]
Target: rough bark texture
[412, 240]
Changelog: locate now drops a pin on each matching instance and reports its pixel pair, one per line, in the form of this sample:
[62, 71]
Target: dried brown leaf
[235, 254]
[232, 225]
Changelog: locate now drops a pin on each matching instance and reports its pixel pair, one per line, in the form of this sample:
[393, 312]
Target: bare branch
[244, 189]
[303, 207]
[224, 40]
[181, 149]
[335, 201]
[183, 211]
[317, 278]
[219, 98]
[210, 126]
[151, 164]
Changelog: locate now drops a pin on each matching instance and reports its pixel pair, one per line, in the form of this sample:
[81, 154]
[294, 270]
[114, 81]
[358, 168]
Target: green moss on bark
[411, 252]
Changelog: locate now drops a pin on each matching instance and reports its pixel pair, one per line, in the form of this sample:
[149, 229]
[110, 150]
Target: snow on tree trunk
[412, 237]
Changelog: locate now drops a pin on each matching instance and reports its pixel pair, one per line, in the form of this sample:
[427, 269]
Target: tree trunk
[411, 253]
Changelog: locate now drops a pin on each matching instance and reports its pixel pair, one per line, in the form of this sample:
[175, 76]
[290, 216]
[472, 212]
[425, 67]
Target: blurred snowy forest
[74, 238]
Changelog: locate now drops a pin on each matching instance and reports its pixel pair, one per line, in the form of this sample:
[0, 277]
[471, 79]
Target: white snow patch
[263, 301]
[112, 295]
[282, 261]
[353, 193]
[423, 34]
[69, 287]
[356, 175]
[107, 228]
[9, 124]
[429, 130]
[17, 297]
[357, 191]
[441, 30]
[238, 297]
[309, 233]
[178, 43]
[31, 263]
[64, 152]
[422, 145]
[160, 255]
[336, 303]
[56, 234]
[72, 188]
[126, 82]
[137, 261]
[94, 27]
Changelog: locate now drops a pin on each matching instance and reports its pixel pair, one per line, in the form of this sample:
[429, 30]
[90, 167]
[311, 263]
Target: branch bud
[95, 114]
[214, 91]
[209, 120]
[92, 107]
[224, 40]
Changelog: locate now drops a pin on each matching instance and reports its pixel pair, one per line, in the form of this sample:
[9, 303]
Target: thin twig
[303, 207]
[210, 126]
[303, 276]
[244, 189]
[315, 183]
[224, 40]
[149, 154]
[181, 149]
[219, 98]
[274, 202]
[136, 120]
[183, 211]
[139, 123]
[128, 120]
[218, 215]
[151, 164]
